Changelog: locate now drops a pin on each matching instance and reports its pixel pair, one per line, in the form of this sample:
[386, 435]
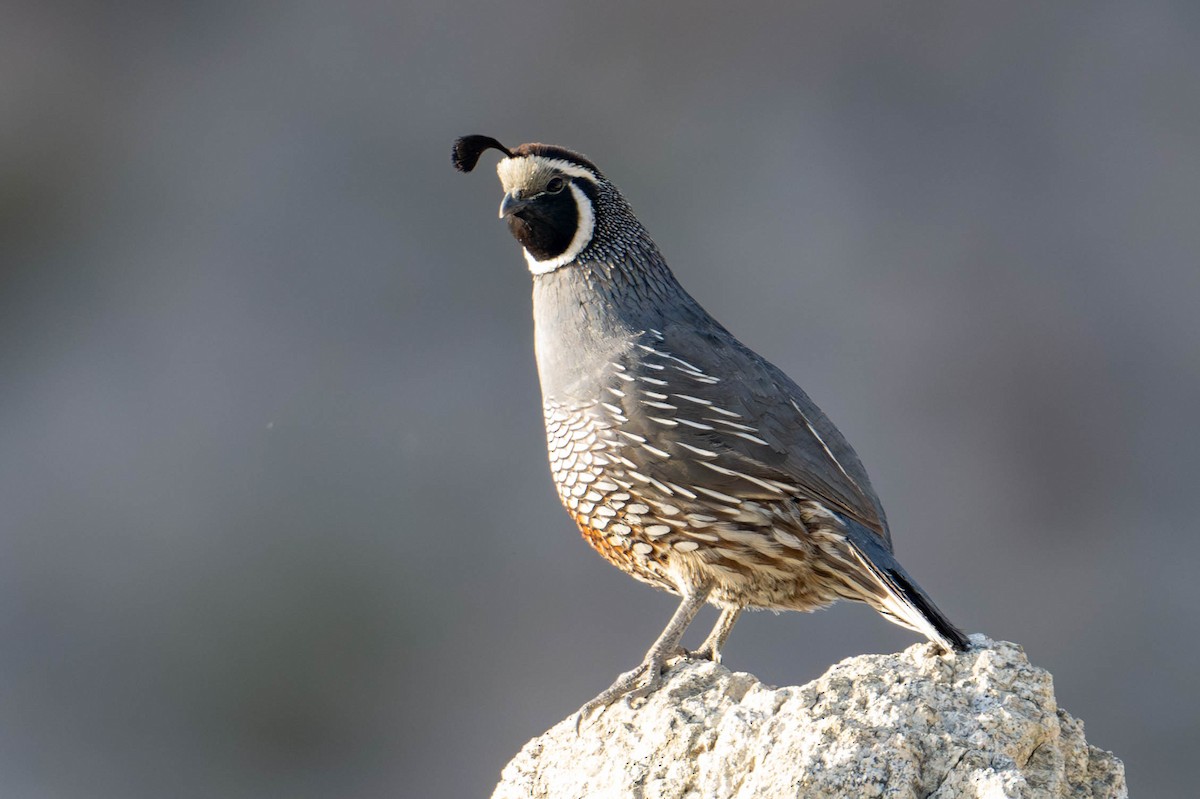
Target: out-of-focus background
[276, 518]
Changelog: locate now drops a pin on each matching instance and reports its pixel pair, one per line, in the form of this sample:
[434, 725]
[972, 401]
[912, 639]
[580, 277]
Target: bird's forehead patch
[534, 171]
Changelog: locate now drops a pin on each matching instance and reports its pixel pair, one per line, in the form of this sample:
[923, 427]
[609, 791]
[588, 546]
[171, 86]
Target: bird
[687, 460]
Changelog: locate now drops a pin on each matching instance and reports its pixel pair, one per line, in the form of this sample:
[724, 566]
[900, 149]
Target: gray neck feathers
[588, 312]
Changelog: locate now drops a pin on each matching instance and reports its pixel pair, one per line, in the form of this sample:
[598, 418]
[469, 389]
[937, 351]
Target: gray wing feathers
[725, 399]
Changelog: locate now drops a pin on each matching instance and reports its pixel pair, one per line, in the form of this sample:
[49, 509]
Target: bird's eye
[555, 185]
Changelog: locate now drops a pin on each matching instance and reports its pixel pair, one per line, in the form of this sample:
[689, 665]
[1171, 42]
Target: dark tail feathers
[900, 598]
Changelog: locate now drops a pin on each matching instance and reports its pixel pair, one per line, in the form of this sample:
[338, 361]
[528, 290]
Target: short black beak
[511, 204]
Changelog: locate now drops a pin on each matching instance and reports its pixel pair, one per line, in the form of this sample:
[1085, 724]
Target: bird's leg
[711, 648]
[648, 675]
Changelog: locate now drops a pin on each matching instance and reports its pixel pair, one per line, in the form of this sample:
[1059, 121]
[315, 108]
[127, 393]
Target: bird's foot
[706, 651]
[636, 683]
[643, 680]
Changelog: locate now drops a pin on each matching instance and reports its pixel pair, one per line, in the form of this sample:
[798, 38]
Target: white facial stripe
[530, 170]
[583, 235]
[566, 167]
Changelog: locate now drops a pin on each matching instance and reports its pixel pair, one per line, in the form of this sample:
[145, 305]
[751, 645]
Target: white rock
[983, 724]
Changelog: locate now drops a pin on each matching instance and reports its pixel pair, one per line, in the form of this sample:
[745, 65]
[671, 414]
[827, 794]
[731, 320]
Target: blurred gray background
[276, 518]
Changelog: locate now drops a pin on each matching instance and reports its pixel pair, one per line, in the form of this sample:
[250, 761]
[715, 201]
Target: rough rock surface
[983, 723]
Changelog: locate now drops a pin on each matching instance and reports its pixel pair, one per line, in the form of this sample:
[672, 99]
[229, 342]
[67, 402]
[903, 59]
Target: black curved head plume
[467, 149]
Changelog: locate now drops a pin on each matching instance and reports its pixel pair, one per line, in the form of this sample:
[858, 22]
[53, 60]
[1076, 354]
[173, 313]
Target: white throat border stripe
[583, 232]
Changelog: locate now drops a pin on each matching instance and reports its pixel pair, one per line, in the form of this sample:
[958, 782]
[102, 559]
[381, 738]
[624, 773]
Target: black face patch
[545, 226]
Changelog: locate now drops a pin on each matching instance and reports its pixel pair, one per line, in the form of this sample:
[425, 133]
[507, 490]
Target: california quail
[687, 460]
